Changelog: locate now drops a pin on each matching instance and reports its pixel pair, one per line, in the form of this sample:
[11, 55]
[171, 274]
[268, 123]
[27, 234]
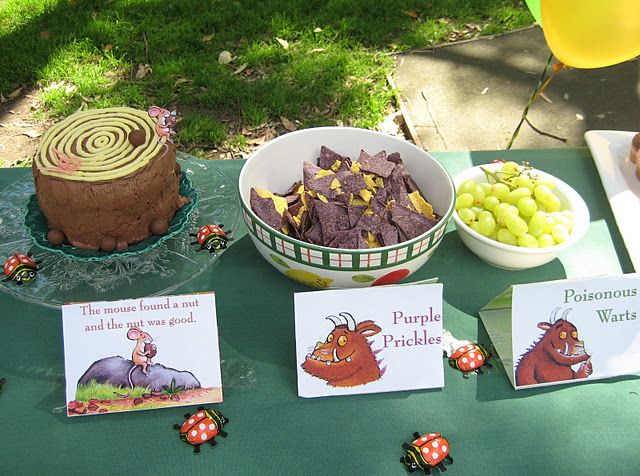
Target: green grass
[86, 53]
[104, 391]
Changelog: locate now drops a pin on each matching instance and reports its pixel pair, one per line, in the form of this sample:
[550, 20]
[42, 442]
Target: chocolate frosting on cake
[97, 188]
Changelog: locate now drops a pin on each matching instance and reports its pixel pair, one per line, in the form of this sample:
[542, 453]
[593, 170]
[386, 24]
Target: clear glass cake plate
[157, 270]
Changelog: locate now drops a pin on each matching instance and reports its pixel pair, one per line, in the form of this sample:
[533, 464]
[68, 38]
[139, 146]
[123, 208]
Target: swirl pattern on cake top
[94, 145]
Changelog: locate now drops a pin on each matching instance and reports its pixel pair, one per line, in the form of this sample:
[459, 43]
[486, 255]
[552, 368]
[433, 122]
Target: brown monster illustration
[345, 359]
[550, 359]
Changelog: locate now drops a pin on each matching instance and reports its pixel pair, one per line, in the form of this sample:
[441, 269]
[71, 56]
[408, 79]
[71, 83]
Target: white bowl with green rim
[278, 164]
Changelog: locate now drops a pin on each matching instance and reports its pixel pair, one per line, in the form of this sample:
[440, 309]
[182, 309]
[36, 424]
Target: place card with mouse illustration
[567, 331]
[141, 354]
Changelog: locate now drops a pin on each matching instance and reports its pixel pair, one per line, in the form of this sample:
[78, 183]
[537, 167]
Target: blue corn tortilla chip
[351, 183]
[349, 239]
[376, 164]
[328, 157]
[388, 235]
[314, 234]
[410, 223]
[266, 210]
[332, 217]
[396, 185]
[354, 213]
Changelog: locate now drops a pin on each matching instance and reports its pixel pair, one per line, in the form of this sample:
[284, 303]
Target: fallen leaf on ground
[317, 29]
[207, 38]
[15, 93]
[107, 48]
[240, 69]
[225, 57]
[181, 81]
[32, 134]
[283, 43]
[142, 71]
[579, 117]
[22, 124]
[45, 35]
[317, 50]
[411, 13]
[288, 125]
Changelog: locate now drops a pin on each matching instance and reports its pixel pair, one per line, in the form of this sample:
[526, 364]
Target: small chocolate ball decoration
[122, 245]
[108, 243]
[137, 137]
[159, 226]
[55, 237]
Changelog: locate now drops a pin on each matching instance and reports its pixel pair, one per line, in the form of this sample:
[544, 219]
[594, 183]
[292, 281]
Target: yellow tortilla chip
[335, 184]
[372, 241]
[366, 195]
[369, 179]
[280, 203]
[421, 205]
[323, 173]
[262, 193]
[322, 198]
[336, 165]
[379, 182]
[355, 167]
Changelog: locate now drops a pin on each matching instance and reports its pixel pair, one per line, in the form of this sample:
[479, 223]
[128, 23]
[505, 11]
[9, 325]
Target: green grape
[466, 186]
[560, 233]
[517, 194]
[490, 202]
[548, 182]
[525, 182]
[562, 219]
[486, 187]
[570, 216]
[500, 190]
[516, 225]
[505, 236]
[542, 193]
[476, 211]
[552, 204]
[550, 223]
[537, 222]
[528, 241]
[464, 200]
[527, 206]
[475, 226]
[499, 210]
[478, 194]
[466, 215]
[546, 240]
[486, 223]
[510, 167]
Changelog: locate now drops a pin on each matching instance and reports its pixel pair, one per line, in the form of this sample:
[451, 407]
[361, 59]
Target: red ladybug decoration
[202, 426]
[20, 268]
[426, 452]
[469, 358]
[211, 238]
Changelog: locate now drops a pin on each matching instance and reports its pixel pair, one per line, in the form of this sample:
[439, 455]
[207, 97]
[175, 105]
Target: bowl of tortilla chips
[337, 207]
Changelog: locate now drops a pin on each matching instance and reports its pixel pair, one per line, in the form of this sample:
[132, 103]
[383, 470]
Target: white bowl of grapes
[516, 217]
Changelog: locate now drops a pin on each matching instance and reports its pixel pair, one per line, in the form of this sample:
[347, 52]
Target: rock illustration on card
[133, 382]
[345, 358]
[552, 357]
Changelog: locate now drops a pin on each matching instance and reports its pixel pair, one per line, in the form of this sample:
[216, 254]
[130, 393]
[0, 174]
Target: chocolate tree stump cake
[106, 178]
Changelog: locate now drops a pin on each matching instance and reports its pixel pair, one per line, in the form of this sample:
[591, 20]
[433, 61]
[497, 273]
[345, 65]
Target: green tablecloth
[591, 428]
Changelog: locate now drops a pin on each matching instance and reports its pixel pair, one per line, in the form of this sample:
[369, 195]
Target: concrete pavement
[470, 95]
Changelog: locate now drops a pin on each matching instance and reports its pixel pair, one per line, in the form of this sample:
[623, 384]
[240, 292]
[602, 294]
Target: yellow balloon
[592, 33]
